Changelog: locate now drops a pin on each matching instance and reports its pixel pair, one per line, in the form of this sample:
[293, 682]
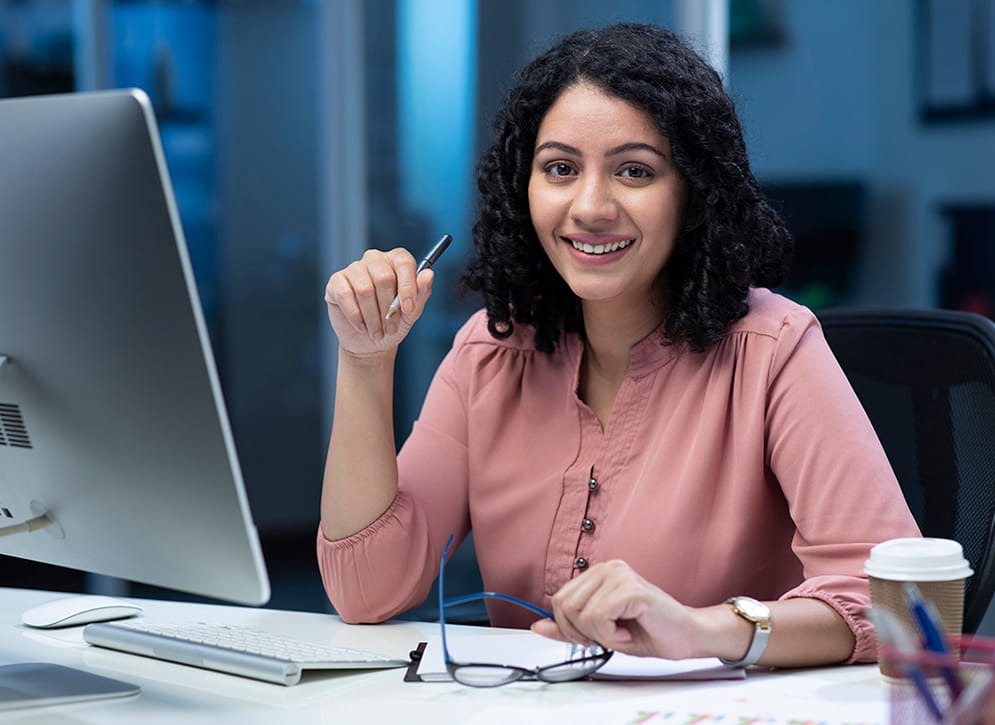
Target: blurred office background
[300, 132]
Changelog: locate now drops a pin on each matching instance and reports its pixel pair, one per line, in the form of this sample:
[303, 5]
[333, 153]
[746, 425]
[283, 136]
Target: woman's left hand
[614, 606]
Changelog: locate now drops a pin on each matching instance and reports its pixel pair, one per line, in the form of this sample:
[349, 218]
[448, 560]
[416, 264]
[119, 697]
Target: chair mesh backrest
[927, 382]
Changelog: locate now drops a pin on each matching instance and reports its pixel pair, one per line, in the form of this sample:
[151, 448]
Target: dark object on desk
[33, 684]
[927, 381]
[411, 673]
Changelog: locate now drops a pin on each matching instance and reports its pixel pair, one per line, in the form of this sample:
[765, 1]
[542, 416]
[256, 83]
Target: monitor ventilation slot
[13, 432]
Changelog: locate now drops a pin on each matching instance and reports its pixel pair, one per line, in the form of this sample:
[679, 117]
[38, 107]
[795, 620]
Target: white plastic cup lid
[921, 560]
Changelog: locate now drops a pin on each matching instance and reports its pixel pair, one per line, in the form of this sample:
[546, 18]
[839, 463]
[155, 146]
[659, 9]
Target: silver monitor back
[111, 415]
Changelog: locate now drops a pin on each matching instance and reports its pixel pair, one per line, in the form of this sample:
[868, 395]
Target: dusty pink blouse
[749, 468]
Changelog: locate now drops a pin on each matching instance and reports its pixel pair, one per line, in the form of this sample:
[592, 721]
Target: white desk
[173, 693]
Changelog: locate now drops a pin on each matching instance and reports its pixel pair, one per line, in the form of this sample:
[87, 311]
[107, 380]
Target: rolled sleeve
[842, 493]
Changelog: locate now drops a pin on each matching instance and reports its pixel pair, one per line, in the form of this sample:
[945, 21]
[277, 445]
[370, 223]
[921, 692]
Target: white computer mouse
[76, 610]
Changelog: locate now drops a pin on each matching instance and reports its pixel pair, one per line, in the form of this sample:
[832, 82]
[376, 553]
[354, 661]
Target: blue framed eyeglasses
[582, 662]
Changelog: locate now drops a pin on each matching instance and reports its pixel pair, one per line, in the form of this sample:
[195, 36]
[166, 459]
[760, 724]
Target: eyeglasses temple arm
[442, 589]
[494, 595]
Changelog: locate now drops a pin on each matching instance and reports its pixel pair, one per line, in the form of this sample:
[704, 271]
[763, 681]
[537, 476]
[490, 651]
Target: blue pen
[893, 632]
[928, 620]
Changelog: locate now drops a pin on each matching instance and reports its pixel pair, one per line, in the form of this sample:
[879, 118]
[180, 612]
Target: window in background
[436, 101]
[36, 47]
[168, 50]
[956, 59]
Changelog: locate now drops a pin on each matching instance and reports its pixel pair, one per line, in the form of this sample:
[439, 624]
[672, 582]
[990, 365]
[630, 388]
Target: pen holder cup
[974, 668]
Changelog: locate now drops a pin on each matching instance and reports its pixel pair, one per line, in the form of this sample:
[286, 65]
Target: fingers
[620, 639]
[359, 296]
[548, 628]
[602, 605]
[424, 282]
[570, 603]
[413, 288]
[375, 285]
[407, 286]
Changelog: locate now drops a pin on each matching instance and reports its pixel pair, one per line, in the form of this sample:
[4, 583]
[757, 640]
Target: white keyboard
[235, 650]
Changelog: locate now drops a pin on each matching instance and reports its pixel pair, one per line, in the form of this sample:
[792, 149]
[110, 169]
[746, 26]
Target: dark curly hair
[731, 239]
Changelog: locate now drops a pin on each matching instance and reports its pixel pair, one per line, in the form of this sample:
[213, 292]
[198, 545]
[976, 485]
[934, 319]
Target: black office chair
[927, 381]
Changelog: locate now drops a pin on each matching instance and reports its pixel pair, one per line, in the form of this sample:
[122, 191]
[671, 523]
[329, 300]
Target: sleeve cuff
[852, 607]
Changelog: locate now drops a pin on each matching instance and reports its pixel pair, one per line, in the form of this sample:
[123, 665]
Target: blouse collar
[649, 354]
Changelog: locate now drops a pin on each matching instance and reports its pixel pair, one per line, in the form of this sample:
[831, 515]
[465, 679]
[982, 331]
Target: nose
[593, 201]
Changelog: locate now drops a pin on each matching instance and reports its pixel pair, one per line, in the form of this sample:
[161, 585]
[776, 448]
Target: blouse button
[581, 562]
[587, 525]
[592, 483]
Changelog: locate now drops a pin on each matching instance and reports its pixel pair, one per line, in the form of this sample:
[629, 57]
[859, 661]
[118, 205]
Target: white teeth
[600, 248]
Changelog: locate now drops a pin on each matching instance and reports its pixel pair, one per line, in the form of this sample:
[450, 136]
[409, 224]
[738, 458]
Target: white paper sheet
[820, 697]
[531, 650]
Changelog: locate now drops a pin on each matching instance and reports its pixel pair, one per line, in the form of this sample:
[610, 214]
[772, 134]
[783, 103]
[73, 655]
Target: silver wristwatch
[759, 614]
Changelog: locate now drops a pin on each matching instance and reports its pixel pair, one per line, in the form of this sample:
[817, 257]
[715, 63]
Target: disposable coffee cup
[939, 570]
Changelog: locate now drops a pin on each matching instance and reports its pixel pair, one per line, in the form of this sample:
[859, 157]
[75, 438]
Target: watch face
[752, 608]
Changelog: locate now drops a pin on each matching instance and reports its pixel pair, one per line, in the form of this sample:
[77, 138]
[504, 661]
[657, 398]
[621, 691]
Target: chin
[587, 293]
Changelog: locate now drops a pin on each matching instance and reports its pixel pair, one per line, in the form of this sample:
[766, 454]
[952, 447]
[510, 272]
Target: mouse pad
[33, 684]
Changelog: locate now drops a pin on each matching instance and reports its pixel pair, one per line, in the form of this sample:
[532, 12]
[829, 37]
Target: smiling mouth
[600, 248]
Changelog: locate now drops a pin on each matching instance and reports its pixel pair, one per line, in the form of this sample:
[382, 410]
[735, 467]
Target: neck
[610, 331]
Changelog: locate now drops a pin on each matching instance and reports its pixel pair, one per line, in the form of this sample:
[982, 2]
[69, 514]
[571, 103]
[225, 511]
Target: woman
[637, 430]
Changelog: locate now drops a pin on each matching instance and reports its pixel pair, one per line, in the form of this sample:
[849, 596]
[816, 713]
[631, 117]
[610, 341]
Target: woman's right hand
[359, 295]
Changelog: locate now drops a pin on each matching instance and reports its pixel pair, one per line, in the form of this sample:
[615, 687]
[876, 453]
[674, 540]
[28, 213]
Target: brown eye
[636, 172]
[559, 169]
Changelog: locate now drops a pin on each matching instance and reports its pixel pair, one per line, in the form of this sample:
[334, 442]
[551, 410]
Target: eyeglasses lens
[486, 675]
[571, 670]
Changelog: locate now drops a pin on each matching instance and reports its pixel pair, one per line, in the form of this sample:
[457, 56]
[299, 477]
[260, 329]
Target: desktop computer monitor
[116, 454]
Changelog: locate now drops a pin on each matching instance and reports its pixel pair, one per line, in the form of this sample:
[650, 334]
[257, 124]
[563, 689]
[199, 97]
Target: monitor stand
[35, 684]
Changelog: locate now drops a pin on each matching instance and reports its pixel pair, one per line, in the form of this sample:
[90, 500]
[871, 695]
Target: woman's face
[605, 196]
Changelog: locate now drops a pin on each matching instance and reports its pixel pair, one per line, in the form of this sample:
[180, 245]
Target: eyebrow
[621, 149]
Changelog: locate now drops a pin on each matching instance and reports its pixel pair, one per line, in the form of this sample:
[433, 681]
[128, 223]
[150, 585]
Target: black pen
[427, 262]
